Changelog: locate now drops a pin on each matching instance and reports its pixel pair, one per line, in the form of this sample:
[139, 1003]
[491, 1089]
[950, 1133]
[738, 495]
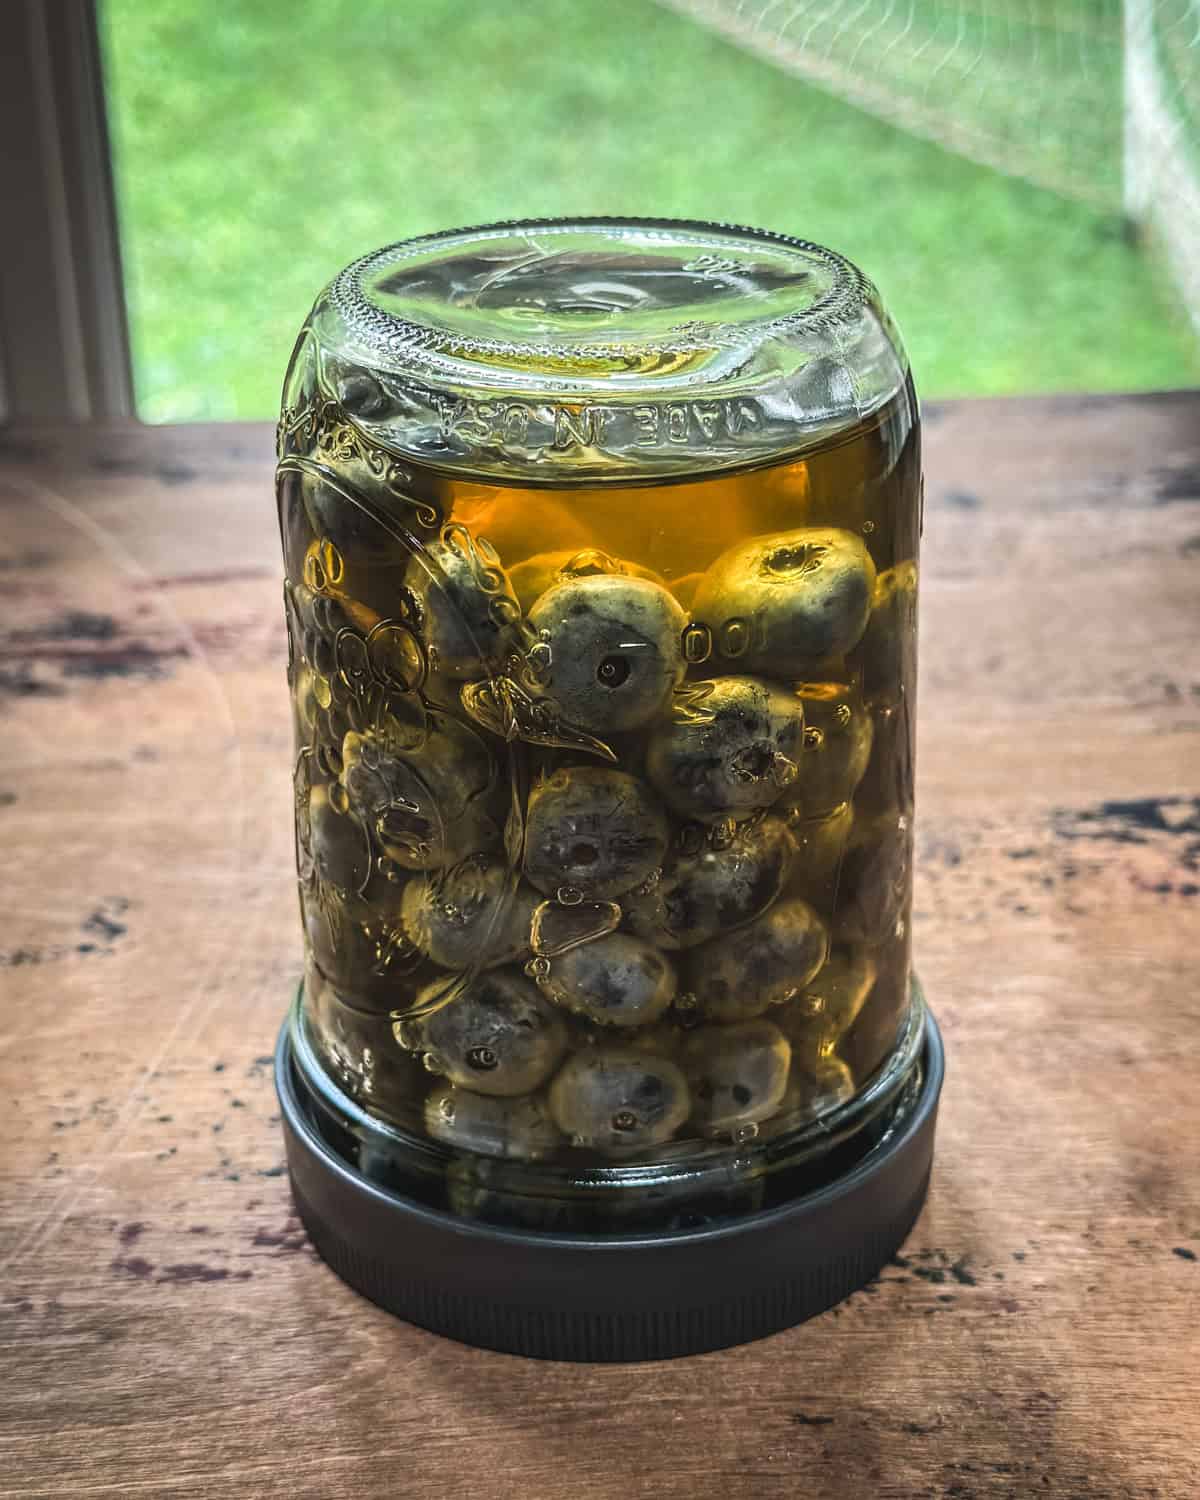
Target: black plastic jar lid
[579, 1297]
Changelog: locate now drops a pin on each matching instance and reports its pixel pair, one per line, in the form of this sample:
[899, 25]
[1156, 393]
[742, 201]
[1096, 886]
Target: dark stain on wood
[216, 577]
[28, 561]
[177, 1275]
[287, 1241]
[136, 659]
[24, 681]
[101, 928]
[134, 1265]
[104, 922]
[166, 473]
[1131, 822]
[1175, 484]
[80, 643]
[1040, 1403]
[1167, 829]
[935, 1267]
[75, 625]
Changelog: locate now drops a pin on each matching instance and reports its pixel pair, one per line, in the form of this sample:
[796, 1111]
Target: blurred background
[1020, 177]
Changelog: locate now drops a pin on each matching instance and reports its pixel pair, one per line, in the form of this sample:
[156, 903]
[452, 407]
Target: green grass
[260, 146]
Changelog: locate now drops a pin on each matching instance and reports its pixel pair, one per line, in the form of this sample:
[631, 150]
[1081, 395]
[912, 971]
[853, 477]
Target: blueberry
[619, 1098]
[594, 829]
[743, 973]
[339, 845]
[838, 731]
[466, 606]
[355, 1046]
[820, 846]
[887, 653]
[713, 890]
[428, 806]
[887, 786]
[359, 943]
[827, 1006]
[305, 708]
[615, 650]
[354, 531]
[477, 912]
[615, 981]
[874, 1033]
[339, 588]
[497, 1035]
[531, 578]
[816, 1086]
[876, 881]
[492, 1125]
[737, 1075]
[321, 614]
[784, 603]
[730, 748]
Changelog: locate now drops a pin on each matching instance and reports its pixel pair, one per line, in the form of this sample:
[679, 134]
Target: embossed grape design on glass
[600, 541]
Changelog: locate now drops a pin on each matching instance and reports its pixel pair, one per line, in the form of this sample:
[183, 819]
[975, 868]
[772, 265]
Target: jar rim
[597, 349]
[735, 288]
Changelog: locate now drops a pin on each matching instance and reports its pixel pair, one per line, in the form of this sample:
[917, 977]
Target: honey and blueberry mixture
[604, 795]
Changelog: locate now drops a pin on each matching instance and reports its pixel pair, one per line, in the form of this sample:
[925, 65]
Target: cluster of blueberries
[659, 916]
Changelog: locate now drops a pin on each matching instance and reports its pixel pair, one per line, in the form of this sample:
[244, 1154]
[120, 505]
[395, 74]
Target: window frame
[64, 334]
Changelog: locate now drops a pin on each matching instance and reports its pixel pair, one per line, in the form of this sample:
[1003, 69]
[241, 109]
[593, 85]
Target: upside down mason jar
[600, 542]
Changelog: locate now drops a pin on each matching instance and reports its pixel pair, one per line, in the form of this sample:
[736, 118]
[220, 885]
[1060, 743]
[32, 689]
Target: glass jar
[600, 542]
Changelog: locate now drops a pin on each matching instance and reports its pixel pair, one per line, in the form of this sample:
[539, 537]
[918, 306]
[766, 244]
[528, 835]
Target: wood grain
[167, 1331]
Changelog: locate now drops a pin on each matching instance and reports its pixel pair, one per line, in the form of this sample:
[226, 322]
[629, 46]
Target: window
[976, 157]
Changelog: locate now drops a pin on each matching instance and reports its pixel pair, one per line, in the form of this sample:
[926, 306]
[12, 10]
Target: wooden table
[168, 1331]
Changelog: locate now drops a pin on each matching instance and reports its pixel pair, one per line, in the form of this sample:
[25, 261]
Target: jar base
[610, 1297]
